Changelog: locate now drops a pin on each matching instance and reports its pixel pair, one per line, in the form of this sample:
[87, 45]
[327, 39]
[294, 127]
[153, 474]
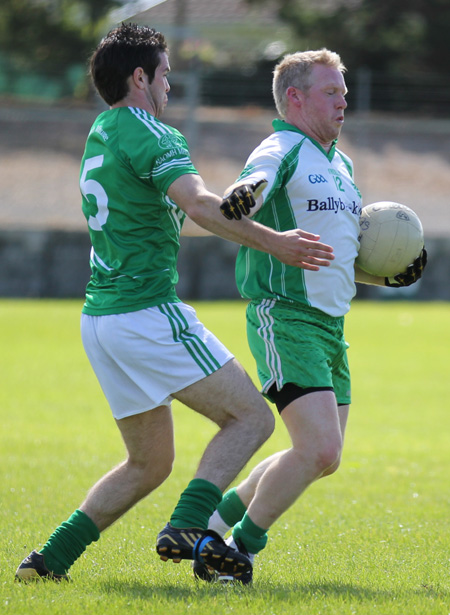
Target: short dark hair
[119, 53]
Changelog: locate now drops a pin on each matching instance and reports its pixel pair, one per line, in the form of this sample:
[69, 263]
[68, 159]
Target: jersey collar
[279, 125]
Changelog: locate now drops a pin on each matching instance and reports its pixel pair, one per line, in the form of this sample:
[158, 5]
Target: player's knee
[256, 421]
[262, 421]
[161, 473]
[328, 456]
[156, 477]
[151, 473]
[268, 423]
[332, 468]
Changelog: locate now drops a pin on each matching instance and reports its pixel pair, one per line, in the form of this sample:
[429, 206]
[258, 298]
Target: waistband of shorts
[300, 307]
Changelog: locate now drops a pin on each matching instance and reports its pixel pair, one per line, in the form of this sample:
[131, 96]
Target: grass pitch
[374, 538]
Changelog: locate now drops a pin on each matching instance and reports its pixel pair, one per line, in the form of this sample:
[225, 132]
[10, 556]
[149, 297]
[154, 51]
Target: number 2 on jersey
[94, 188]
[338, 182]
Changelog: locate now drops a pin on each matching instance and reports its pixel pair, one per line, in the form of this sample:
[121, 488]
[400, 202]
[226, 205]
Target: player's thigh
[227, 393]
[313, 421]
[148, 436]
[343, 412]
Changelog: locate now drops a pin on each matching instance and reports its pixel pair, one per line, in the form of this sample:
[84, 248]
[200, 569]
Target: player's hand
[412, 273]
[302, 249]
[240, 200]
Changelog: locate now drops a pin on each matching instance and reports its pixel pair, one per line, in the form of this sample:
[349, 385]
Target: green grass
[372, 539]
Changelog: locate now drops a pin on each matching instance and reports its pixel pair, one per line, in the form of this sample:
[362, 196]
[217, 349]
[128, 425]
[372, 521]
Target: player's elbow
[198, 208]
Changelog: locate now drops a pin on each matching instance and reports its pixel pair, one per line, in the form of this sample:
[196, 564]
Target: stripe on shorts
[193, 344]
[265, 332]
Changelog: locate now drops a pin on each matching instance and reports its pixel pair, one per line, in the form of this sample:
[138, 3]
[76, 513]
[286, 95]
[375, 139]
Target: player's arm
[191, 229]
[295, 247]
[408, 277]
[240, 199]
[366, 278]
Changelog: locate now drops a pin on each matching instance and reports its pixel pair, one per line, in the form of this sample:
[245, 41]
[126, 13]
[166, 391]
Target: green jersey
[130, 160]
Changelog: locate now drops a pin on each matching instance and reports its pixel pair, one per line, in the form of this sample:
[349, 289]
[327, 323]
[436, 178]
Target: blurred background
[223, 52]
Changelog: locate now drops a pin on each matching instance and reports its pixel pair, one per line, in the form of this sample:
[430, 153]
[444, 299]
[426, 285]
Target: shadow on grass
[287, 592]
[357, 593]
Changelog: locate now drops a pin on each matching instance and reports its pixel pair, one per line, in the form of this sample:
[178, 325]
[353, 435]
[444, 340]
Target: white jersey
[309, 189]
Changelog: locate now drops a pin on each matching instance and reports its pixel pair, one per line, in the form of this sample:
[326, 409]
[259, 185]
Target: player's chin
[161, 108]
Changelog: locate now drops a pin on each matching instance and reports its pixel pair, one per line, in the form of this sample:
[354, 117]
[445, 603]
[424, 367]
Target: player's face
[159, 87]
[323, 105]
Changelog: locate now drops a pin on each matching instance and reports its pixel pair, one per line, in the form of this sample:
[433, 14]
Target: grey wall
[55, 264]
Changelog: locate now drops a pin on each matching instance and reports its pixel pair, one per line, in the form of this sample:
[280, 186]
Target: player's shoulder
[167, 136]
[344, 159]
[342, 155]
[276, 145]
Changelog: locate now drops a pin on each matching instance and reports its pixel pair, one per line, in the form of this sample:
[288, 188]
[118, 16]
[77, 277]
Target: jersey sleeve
[263, 163]
[159, 153]
[172, 161]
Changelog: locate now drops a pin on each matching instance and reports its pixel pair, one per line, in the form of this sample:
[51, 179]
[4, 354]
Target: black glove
[239, 201]
[412, 273]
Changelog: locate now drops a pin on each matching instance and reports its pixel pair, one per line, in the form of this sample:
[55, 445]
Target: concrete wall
[55, 264]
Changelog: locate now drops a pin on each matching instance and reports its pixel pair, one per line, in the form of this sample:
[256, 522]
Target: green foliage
[51, 35]
[371, 539]
[385, 36]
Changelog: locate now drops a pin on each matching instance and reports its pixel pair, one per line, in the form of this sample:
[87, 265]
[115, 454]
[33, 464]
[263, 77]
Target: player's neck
[139, 102]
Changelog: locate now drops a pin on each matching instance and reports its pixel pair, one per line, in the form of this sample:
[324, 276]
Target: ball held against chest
[391, 238]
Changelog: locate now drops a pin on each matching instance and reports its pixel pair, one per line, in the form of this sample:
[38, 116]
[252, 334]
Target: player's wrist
[391, 283]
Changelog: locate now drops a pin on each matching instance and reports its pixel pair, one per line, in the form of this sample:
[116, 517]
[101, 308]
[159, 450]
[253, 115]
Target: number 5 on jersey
[94, 188]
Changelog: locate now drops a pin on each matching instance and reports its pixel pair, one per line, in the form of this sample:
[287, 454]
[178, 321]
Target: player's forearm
[366, 278]
[296, 247]
[203, 208]
[191, 229]
[246, 232]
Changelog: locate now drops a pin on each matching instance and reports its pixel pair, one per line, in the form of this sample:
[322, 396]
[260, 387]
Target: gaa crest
[170, 141]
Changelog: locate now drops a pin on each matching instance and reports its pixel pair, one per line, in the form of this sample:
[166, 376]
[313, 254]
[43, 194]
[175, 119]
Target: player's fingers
[308, 266]
[319, 262]
[421, 260]
[323, 248]
[314, 253]
[311, 263]
[307, 235]
[230, 212]
[258, 187]
[312, 244]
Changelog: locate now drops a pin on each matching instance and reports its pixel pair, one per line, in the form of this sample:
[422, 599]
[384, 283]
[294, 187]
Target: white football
[391, 238]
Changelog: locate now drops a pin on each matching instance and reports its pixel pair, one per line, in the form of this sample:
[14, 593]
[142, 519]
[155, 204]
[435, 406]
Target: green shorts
[303, 346]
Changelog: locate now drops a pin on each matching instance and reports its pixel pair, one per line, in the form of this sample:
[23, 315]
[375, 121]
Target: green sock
[68, 542]
[253, 537]
[231, 508]
[196, 504]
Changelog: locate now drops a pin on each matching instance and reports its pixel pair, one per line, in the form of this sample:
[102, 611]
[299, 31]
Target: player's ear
[138, 77]
[294, 95]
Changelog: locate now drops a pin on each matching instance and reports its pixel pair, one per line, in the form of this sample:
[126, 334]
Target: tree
[51, 35]
[385, 36]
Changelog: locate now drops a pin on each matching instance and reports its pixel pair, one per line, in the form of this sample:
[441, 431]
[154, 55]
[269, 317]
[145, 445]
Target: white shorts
[141, 358]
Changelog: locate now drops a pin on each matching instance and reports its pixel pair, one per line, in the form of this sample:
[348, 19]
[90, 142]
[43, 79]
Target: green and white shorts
[298, 345]
[141, 358]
